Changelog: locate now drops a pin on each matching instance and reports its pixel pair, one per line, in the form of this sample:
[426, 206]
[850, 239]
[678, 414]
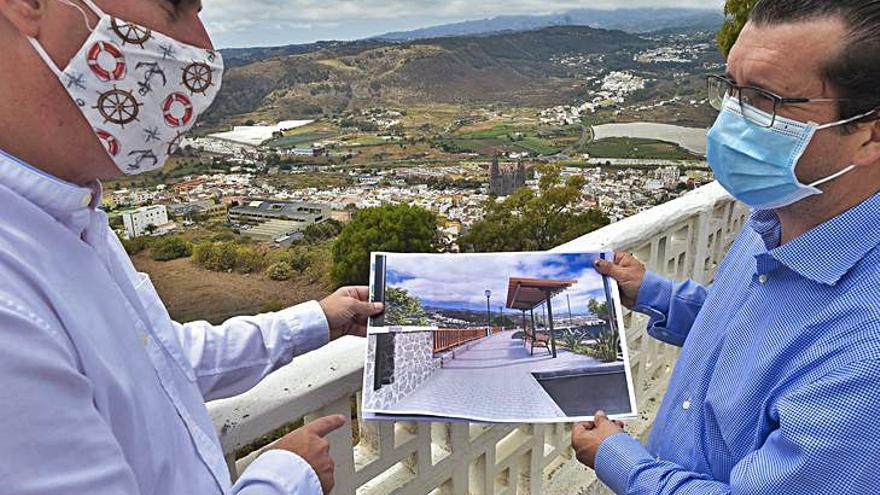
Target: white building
[137, 222]
[255, 135]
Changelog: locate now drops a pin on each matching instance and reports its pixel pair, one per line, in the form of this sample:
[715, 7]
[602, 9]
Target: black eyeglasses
[757, 105]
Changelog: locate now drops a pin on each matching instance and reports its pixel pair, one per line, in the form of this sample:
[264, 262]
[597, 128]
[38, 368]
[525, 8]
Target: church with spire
[504, 181]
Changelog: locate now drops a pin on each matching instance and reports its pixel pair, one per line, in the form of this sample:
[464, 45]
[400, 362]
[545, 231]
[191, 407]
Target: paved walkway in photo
[492, 379]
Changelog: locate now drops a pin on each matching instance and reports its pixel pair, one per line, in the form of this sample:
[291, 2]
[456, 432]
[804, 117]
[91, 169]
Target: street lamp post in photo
[501, 317]
[488, 294]
[570, 320]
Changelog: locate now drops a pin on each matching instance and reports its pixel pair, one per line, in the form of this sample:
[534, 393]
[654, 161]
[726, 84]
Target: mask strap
[42, 51]
[46, 58]
[846, 121]
[851, 167]
[833, 177]
[97, 10]
[94, 8]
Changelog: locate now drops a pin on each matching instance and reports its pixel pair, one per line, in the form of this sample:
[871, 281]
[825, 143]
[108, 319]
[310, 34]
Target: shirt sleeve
[672, 306]
[231, 358]
[278, 472]
[53, 441]
[826, 444]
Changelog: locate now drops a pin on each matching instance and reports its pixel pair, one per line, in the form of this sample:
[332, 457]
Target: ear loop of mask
[69, 3]
[91, 5]
[42, 51]
[46, 58]
[851, 167]
[847, 121]
[834, 176]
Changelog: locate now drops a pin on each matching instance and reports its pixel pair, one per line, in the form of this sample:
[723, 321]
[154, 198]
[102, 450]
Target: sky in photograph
[459, 281]
[234, 23]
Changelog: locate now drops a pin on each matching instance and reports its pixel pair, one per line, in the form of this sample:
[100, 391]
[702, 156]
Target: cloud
[461, 280]
[230, 21]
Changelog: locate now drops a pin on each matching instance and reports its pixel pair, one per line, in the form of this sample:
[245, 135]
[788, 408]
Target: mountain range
[632, 20]
[517, 65]
[335, 77]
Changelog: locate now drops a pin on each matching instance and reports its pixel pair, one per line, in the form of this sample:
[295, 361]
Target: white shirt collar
[70, 204]
[46, 191]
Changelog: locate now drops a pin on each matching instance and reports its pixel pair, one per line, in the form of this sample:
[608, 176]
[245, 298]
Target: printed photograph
[509, 337]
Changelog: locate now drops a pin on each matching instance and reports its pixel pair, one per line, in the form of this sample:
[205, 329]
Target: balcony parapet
[685, 238]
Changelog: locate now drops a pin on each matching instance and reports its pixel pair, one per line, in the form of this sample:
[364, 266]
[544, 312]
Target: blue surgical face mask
[757, 164]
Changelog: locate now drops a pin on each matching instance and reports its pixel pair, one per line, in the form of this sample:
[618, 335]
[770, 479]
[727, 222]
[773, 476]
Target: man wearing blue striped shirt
[776, 390]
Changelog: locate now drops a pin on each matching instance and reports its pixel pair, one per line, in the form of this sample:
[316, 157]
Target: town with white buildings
[618, 191]
[611, 91]
[455, 189]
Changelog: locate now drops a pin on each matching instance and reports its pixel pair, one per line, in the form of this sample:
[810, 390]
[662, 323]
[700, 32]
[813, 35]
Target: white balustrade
[685, 238]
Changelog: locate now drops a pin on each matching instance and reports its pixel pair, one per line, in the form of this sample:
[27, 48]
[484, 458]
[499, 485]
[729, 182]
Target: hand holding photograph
[497, 338]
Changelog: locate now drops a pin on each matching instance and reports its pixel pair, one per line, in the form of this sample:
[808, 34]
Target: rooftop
[254, 135]
[289, 209]
[529, 293]
[273, 230]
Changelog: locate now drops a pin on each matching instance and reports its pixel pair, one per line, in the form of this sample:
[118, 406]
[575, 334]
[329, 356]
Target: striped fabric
[777, 390]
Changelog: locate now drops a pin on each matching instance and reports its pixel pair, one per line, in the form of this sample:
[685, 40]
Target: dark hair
[854, 73]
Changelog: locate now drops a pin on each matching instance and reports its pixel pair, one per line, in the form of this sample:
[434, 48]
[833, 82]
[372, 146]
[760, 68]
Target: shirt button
[686, 405]
[145, 340]
[763, 279]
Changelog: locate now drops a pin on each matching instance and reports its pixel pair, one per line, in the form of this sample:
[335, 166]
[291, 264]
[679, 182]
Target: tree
[607, 341]
[218, 256]
[401, 308]
[280, 271]
[530, 221]
[503, 321]
[300, 258]
[273, 159]
[135, 246]
[737, 14]
[323, 231]
[170, 248]
[599, 309]
[399, 228]
[195, 216]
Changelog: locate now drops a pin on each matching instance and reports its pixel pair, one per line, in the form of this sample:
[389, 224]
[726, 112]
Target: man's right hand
[309, 443]
[629, 273]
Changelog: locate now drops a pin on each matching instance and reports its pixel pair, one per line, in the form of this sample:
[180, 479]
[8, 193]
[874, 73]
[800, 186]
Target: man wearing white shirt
[103, 394]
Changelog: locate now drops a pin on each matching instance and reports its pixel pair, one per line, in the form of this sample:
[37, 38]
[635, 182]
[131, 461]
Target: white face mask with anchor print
[140, 90]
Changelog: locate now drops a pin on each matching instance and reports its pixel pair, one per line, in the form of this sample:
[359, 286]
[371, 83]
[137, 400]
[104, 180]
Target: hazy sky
[237, 23]
[459, 281]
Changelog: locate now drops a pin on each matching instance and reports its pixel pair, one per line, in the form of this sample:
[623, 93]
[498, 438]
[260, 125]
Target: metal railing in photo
[445, 339]
[685, 238]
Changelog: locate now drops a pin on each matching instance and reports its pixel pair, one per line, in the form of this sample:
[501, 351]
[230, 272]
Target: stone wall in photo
[414, 363]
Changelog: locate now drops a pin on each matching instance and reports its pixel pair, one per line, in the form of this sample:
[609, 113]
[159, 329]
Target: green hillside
[514, 68]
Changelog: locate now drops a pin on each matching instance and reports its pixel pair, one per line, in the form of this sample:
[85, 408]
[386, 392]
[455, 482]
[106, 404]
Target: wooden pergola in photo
[526, 294]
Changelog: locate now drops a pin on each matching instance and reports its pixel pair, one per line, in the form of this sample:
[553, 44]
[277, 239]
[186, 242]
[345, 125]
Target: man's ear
[869, 153]
[24, 15]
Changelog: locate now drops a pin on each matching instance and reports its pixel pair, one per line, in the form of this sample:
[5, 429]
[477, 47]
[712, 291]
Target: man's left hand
[587, 437]
[348, 310]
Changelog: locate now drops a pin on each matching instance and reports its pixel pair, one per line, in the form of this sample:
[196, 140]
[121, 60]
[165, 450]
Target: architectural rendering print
[512, 337]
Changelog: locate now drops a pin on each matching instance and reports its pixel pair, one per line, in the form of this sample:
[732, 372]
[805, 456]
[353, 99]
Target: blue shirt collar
[828, 252]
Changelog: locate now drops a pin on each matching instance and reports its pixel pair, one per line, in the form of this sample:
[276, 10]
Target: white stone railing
[685, 238]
